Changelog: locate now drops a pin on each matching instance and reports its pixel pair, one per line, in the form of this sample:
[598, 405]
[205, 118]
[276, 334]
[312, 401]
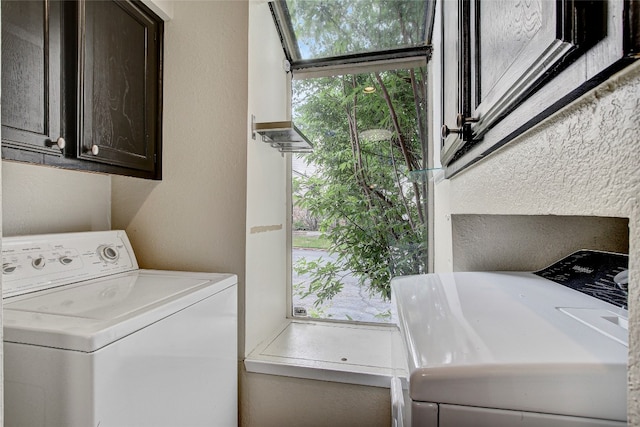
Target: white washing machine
[505, 349]
[91, 340]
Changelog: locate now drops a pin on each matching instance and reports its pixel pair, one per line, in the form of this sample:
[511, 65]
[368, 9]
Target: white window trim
[289, 238]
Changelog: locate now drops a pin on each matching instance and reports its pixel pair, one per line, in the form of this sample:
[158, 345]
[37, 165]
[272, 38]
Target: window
[359, 199]
[337, 32]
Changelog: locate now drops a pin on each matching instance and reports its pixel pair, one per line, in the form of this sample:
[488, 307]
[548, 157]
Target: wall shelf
[284, 136]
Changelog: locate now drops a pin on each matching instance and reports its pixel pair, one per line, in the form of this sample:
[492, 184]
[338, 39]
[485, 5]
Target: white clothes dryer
[545, 349]
[92, 340]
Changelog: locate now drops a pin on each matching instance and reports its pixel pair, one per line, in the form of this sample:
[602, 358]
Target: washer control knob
[108, 253]
[38, 263]
[65, 260]
[8, 268]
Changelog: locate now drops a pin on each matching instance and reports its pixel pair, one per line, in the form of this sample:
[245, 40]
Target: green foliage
[366, 205]
[337, 27]
[325, 283]
[309, 242]
[384, 316]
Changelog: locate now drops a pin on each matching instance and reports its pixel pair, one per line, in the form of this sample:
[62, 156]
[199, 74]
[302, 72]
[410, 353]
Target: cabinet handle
[60, 143]
[445, 131]
[461, 120]
[94, 150]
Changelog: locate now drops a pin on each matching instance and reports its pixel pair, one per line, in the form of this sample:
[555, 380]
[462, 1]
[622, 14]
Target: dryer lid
[511, 341]
[89, 315]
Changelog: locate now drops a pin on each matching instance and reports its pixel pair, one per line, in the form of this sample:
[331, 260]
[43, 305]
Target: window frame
[384, 60]
[421, 59]
[282, 21]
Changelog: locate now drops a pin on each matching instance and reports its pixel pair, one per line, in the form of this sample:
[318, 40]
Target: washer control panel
[602, 275]
[33, 263]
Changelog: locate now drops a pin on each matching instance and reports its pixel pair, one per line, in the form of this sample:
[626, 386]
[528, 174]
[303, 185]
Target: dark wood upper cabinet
[31, 79]
[520, 62]
[118, 87]
[89, 71]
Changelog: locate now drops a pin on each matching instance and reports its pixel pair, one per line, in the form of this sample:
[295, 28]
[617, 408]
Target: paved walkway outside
[353, 303]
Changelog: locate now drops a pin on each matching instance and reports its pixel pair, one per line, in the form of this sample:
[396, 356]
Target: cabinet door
[31, 78]
[119, 86]
[516, 46]
[523, 60]
[452, 76]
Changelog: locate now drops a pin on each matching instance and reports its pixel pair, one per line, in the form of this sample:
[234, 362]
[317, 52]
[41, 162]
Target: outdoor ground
[353, 303]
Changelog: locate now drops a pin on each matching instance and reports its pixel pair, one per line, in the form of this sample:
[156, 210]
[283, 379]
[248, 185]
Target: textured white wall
[194, 219]
[162, 8]
[530, 242]
[583, 161]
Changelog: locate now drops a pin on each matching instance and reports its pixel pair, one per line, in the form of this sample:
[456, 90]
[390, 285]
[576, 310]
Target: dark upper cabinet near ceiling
[508, 65]
[31, 80]
[104, 90]
[119, 78]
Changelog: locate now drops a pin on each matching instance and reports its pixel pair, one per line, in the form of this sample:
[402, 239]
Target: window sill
[344, 353]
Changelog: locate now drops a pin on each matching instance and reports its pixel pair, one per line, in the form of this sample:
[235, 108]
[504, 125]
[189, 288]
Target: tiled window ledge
[345, 353]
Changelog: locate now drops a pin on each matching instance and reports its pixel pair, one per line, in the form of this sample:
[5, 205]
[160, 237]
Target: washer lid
[512, 341]
[89, 315]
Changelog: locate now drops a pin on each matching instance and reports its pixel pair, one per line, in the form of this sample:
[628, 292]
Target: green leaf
[372, 217]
